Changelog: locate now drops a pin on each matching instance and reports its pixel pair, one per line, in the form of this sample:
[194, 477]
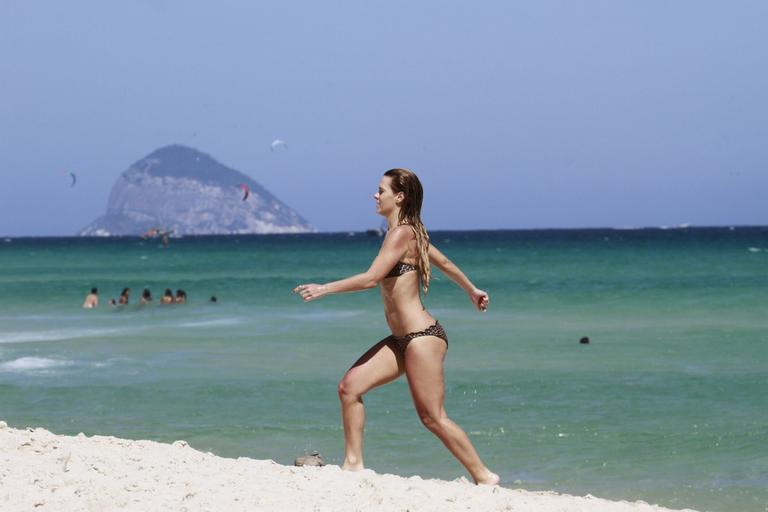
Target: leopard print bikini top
[401, 268]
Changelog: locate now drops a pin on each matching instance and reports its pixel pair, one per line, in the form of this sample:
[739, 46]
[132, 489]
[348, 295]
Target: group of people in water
[92, 299]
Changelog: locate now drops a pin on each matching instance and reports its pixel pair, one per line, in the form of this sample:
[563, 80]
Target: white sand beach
[42, 471]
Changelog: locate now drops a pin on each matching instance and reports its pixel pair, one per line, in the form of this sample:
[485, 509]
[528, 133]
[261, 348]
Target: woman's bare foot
[490, 478]
[352, 466]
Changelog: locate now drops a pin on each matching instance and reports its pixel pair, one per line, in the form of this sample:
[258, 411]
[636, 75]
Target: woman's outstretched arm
[392, 249]
[478, 297]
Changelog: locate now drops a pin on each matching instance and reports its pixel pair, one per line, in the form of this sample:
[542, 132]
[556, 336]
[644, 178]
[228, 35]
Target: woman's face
[386, 199]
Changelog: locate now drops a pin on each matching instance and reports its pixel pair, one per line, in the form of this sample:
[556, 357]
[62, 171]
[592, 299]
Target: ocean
[668, 403]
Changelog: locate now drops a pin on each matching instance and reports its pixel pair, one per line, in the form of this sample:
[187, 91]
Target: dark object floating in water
[584, 340]
[310, 459]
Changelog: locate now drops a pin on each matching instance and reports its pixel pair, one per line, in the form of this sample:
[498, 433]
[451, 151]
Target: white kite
[278, 144]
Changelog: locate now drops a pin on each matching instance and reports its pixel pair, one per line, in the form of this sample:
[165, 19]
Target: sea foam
[219, 322]
[31, 364]
[31, 336]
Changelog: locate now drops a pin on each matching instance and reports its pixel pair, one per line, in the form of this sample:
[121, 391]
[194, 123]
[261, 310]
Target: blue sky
[514, 114]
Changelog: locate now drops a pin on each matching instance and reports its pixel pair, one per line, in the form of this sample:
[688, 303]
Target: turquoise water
[668, 404]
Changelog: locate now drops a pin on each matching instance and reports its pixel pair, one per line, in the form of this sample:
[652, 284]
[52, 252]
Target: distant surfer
[156, 232]
[92, 299]
[418, 343]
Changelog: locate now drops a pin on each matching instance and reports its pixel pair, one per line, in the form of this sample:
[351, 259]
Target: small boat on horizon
[380, 231]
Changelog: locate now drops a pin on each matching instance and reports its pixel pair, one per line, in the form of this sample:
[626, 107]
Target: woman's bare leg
[381, 364]
[424, 358]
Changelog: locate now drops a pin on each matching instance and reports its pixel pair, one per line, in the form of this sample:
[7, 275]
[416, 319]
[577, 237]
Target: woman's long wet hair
[403, 180]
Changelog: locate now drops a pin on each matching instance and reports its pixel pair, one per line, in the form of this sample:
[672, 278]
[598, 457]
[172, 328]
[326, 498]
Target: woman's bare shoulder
[403, 238]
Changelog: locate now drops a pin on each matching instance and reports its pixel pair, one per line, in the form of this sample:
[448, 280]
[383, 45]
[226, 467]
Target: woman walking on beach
[418, 343]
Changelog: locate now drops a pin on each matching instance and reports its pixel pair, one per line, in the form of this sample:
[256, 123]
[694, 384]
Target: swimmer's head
[94, 291]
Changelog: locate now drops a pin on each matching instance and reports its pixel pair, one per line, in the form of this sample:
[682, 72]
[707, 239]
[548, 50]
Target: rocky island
[183, 191]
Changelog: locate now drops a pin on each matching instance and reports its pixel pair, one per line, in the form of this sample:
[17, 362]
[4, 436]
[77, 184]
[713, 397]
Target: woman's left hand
[311, 291]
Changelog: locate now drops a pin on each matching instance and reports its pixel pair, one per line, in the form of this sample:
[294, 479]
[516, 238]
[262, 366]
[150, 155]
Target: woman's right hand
[480, 299]
[311, 291]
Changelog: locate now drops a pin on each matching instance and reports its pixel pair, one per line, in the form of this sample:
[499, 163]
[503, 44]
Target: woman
[167, 297]
[418, 343]
[124, 296]
[92, 299]
[146, 297]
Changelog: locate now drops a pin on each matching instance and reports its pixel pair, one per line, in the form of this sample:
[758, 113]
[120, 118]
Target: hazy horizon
[525, 115]
[363, 231]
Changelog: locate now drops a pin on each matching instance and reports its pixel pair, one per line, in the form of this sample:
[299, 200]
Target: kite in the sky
[74, 179]
[278, 144]
[246, 191]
